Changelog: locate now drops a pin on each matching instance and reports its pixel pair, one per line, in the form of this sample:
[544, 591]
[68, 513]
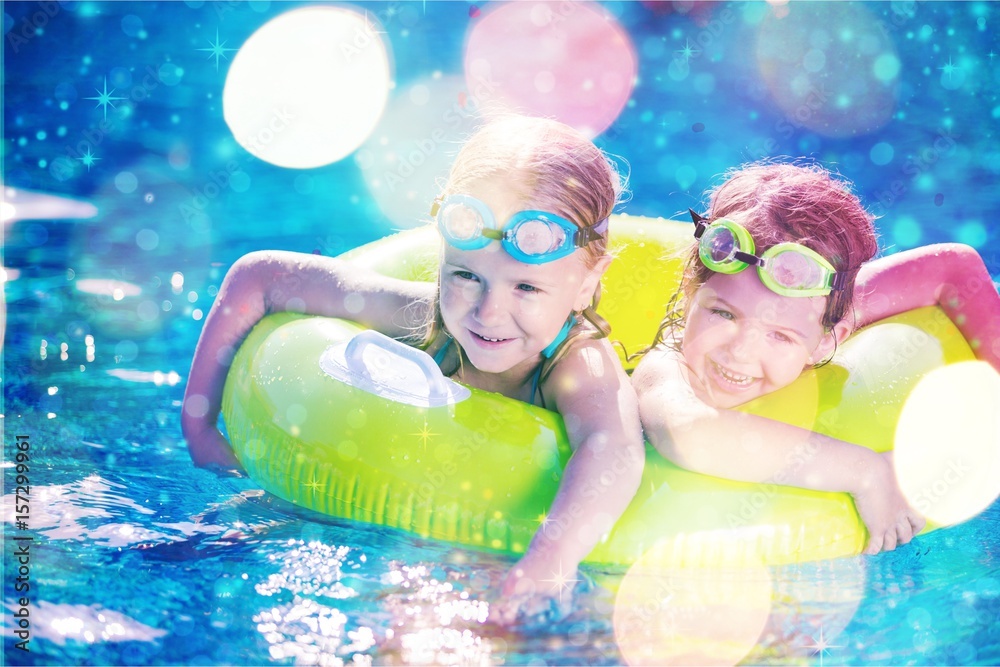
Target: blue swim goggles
[788, 269]
[532, 237]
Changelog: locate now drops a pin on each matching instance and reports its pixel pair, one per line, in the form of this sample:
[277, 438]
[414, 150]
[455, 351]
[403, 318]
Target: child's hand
[533, 587]
[889, 518]
[210, 449]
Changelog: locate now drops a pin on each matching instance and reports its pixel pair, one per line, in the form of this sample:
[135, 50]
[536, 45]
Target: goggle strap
[746, 258]
[839, 281]
[587, 234]
[701, 224]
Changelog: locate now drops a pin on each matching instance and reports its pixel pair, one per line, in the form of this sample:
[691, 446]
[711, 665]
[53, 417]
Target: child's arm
[950, 275]
[271, 281]
[745, 447]
[598, 405]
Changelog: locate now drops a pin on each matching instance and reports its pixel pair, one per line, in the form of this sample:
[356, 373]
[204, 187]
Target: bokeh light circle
[952, 76]
[829, 67]
[690, 613]
[308, 87]
[570, 61]
[886, 67]
[131, 25]
[972, 233]
[882, 153]
[170, 74]
[907, 232]
[947, 450]
[126, 182]
[407, 157]
[120, 77]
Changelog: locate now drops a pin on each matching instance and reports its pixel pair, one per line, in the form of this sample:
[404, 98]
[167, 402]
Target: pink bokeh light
[570, 61]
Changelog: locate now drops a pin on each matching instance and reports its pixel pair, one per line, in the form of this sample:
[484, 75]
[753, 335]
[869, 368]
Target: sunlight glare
[690, 613]
[308, 87]
[947, 454]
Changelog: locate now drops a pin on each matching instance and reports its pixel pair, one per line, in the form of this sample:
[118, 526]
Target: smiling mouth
[488, 339]
[730, 379]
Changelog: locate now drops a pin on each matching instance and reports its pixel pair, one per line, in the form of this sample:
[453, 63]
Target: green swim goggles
[788, 269]
[532, 237]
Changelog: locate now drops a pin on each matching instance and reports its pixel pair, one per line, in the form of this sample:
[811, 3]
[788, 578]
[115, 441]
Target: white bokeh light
[308, 87]
[690, 613]
[947, 454]
[407, 157]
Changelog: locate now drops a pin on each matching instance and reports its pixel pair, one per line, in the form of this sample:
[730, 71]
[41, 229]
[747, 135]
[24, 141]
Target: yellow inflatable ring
[481, 470]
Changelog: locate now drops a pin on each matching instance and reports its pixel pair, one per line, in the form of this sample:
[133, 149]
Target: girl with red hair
[731, 334]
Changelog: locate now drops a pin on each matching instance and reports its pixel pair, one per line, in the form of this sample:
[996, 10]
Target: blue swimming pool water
[139, 558]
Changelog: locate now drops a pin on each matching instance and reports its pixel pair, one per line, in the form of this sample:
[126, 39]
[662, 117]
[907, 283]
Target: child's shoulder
[660, 363]
[589, 363]
[589, 388]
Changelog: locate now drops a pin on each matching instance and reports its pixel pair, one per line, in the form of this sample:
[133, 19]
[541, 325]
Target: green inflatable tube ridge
[482, 470]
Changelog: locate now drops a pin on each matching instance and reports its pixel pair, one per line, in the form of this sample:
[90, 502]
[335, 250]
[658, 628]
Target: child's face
[741, 340]
[504, 312]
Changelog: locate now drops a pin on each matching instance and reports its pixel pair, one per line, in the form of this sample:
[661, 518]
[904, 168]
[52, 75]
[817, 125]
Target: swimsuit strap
[548, 353]
[560, 338]
[443, 350]
[534, 385]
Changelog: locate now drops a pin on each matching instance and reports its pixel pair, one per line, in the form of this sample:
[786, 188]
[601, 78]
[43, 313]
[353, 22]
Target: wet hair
[786, 202]
[549, 166]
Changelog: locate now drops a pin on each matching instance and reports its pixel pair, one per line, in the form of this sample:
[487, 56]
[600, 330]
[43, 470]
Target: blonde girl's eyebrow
[534, 281]
[541, 281]
[456, 265]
